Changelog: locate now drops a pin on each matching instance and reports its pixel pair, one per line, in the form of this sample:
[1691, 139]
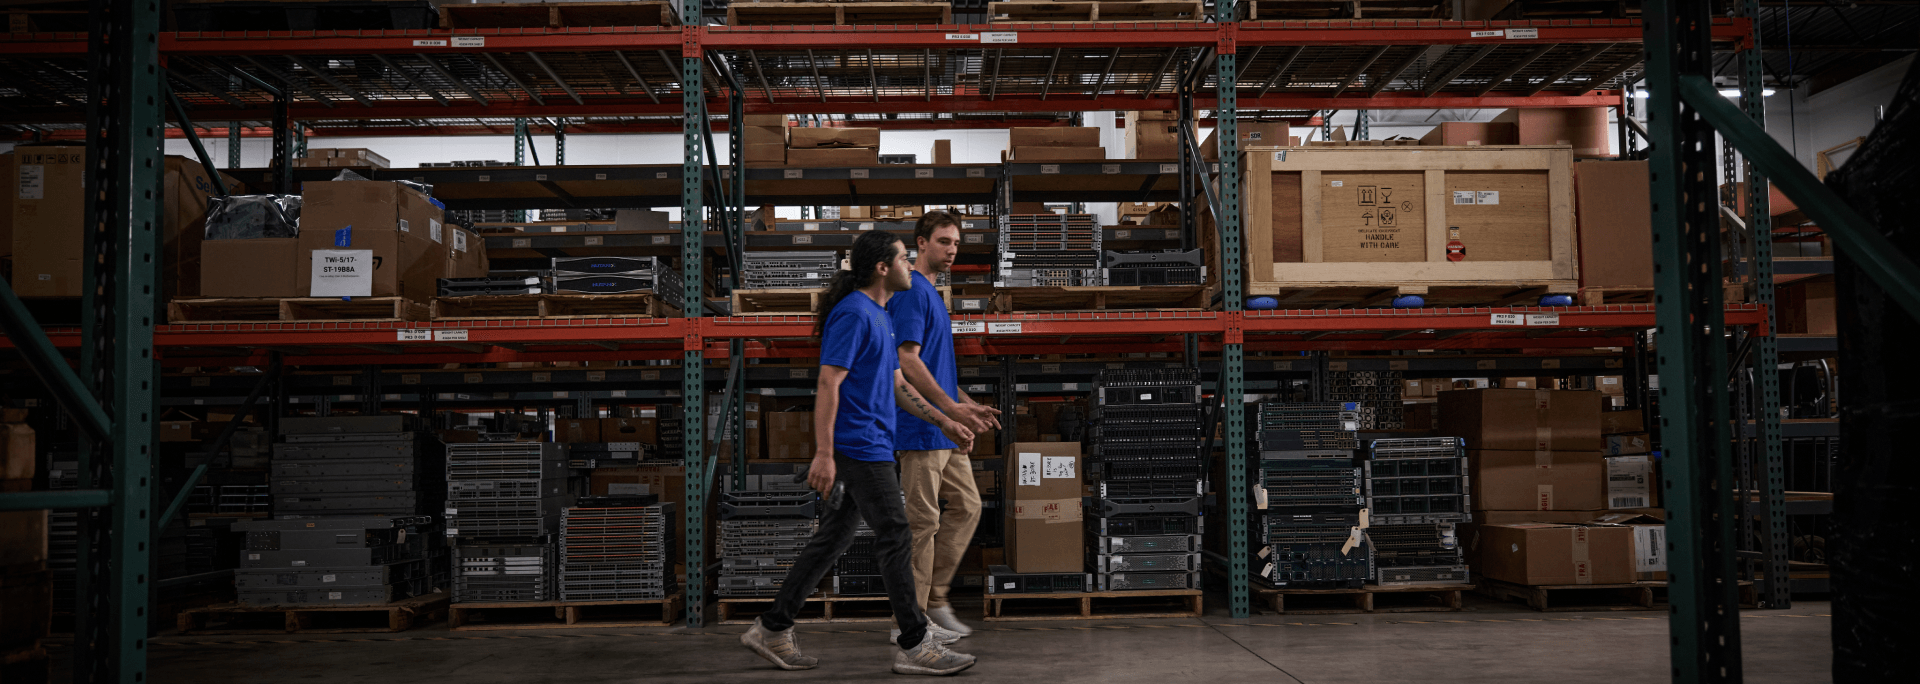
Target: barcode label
[1629, 502]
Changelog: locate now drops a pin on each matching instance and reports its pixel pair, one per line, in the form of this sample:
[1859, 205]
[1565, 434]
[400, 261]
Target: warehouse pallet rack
[1224, 65]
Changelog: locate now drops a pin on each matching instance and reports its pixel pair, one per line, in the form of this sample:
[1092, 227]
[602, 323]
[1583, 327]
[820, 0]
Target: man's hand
[976, 417]
[820, 474]
[961, 436]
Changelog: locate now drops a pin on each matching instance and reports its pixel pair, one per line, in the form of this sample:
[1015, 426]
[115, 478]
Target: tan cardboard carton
[1546, 554]
[1519, 419]
[1543, 481]
[1043, 507]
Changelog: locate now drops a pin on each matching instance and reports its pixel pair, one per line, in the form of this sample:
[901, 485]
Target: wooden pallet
[1572, 597]
[233, 618]
[26, 663]
[1144, 10]
[370, 309]
[837, 14]
[1602, 296]
[830, 609]
[1094, 605]
[776, 302]
[563, 614]
[559, 15]
[1418, 598]
[1098, 298]
[551, 306]
[1347, 295]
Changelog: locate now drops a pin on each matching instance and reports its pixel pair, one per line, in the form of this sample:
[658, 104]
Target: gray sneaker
[780, 648]
[934, 631]
[930, 658]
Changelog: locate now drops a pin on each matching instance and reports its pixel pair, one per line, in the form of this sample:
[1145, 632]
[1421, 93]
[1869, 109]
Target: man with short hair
[931, 466]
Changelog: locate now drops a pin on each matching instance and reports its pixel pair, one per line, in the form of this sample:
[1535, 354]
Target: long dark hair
[871, 248]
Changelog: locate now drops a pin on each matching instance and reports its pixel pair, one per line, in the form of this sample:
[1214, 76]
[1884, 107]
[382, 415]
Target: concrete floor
[1488, 642]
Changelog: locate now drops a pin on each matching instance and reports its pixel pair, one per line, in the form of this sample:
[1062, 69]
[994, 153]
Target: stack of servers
[1147, 438]
[607, 275]
[1379, 394]
[617, 549]
[1166, 267]
[1049, 250]
[788, 270]
[1307, 496]
[857, 573]
[504, 503]
[334, 561]
[352, 466]
[670, 431]
[1416, 495]
[761, 534]
[500, 283]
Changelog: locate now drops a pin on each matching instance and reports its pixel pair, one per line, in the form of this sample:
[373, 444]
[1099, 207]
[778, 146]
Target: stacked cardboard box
[1153, 135]
[1628, 449]
[398, 224]
[833, 146]
[345, 157]
[764, 139]
[1583, 128]
[1054, 144]
[26, 589]
[1253, 134]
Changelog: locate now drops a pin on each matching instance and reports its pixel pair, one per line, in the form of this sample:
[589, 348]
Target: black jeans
[873, 493]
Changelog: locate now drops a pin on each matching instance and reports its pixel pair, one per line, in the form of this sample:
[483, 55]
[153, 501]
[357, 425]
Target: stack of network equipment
[353, 466]
[63, 529]
[1307, 496]
[617, 549]
[857, 573]
[1377, 392]
[761, 534]
[504, 503]
[335, 561]
[1146, 459]
[1417, 494]
[1169, 267]
[1002, 579]
[605, 275]
[1049, 250]
[670, 431]
[788, 270]
[504, 284]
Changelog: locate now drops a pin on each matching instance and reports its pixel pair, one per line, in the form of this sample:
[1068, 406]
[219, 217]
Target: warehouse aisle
[1493, 643]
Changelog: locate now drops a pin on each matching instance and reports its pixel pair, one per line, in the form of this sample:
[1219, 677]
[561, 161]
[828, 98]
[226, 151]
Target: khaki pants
[939, 539]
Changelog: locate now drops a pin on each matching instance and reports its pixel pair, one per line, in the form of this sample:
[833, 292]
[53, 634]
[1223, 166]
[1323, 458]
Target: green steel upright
[1777, 590]
[520, 155]
[1233, 365]
[692, 364]
[1691, 358]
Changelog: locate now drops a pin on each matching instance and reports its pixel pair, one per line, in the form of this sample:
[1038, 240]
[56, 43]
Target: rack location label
[469, 41]
[414, 335]
[963, 36]
[1000, 37]
[1523, 34]
[1003, 328]
[968, 327]
[1507, 319]
[1543, 319]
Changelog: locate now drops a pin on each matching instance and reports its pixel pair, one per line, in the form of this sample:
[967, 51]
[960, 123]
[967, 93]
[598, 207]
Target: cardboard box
[766, 153]
[20, 460]
[641, 220]
[1153, 138]
[763, 135]
[749, 427]
[186, 188]
[1054, 154]
[1506, 517]
[1621, 422]
[1630, 482]
[1422, 416]
[1627, 445]
[1458, 133]
[358, 157]
[642, 430]
[262, 267]
[1611, 385]
[1649, 552]
[1545, 554]
[399, 224]
[1043, 507]
[48, 210]
[844, 156]
[1542, 481]
[986, 443]
[1053, 136]
[178, 430]
[943, 151]
[576, 430]
[23, 541]
[764, 120]
[807, 138]
[1584, 128]
[1516, 419]
[1252, 134]
[1520, 383]
[466, 254]
[789, 434]
[1613, 211]
[1806, 308]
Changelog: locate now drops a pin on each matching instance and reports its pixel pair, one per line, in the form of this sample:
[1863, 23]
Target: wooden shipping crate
[1331, 217]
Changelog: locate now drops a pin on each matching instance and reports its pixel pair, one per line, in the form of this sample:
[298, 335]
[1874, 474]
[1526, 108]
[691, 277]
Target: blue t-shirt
[859, 338]
[920, 317]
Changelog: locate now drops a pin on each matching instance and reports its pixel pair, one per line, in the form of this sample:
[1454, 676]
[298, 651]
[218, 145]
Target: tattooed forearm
[918, 406]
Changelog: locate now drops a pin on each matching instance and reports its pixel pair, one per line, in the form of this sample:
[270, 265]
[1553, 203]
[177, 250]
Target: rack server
[1147, 434]
[610, 551]
[1168, 267]
[337, 561]
[492, 285]
[857, 573]
[504, 504]
[788, 270]
[1377, 395]
[353, 466]
[1003, 580]
[1309, 492]
[1418, 492]
[1049, 250]
[503, 573]
[761, 535]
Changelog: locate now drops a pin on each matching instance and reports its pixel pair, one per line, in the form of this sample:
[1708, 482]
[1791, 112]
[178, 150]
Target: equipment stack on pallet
[1417, 495]
[354, 466]
[1378, 394]
[857, 573]
[504, 503]
[789, 270]
[1308, 509]
[1049, 250]
[337, 561]
[761, 534]
[617, 549]
[1149, 477]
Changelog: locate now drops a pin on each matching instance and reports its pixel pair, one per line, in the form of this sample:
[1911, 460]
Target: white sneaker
[934, 633]
[930, 658]
[945, 619]
[779, 648]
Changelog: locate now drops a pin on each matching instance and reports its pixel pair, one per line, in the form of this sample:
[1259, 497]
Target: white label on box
[1543, 319]
[1486, 197]
[1609, 380]
[1056, 467]
[333, 596]
[1003, 328]
[404, 227]
[1649, 548]
[1463, 197]
[1338, 183]
[429, 43]
[1029, 470]
[1628, 481]
[299, 564]
[966, 327]
[469, 41]
[459, 240]
[342, 273]
[1000, 37]
[963, 36]
[790, 173]
[1485, 34]
[414, 335]
[1507, 319]
[433, 230]
[327, 578]
[450, 335]
[1523, 34]
[33, 181]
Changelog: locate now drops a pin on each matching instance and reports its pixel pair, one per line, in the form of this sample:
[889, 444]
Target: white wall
[1806, 124]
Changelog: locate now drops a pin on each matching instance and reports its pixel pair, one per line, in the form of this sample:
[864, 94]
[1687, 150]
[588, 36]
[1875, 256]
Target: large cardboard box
[399, 224]
[1537, 480]
[641, 220]
[1057, 154]
[1612, 385]
[186, 187]
[763, 120]
[1622, 422]
[789, 434]
[1460, 133]
[1520, 419]
[1053, 136]
[1549, 554]
[1252, 134]
[1422, 416]
[262, 267]
[842, 156]
[1631, 482]
[1612, 208]
[19, 461]
[1583, 128]
[642, 430]
[1806, 308]
[762, 135]
[358, 157]
[466, 254]
[576, 430]
[48, 210]
[1520, 383]
[943, 151]
[813, 137]
[1153, 138]
[764, 153]
[23, 541]
[1043, 508]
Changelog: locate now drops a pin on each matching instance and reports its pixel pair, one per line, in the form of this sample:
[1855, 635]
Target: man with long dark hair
[931, 466]
[853, 422]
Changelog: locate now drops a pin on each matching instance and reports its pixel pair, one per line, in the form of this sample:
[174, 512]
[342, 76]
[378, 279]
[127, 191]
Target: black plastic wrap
[245, 217]
[1875, 549]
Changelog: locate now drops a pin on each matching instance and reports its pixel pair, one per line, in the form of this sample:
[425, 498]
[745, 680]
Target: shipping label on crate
[1372, 217]
[343, 272]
